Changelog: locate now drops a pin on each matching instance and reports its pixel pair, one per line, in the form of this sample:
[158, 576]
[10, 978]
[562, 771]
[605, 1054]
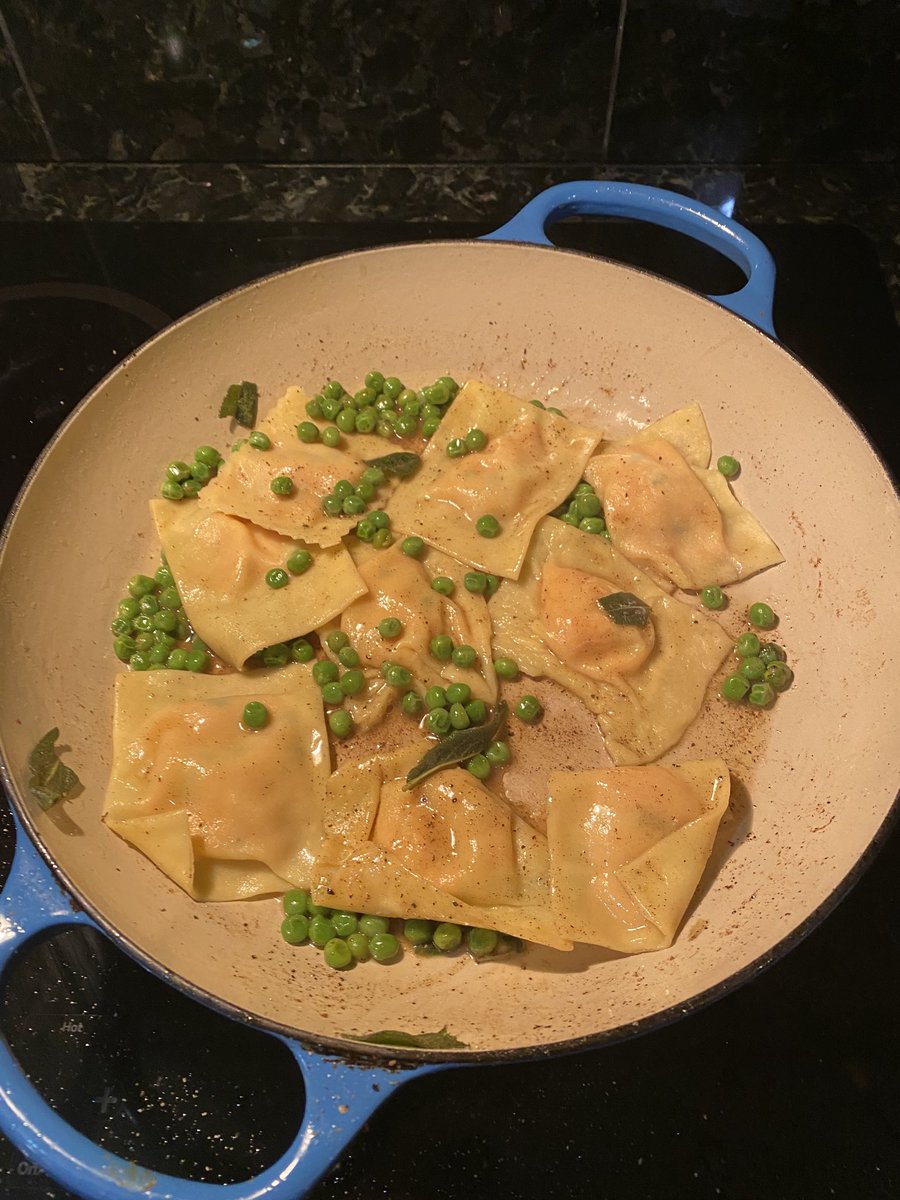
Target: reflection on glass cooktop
[787, 1086]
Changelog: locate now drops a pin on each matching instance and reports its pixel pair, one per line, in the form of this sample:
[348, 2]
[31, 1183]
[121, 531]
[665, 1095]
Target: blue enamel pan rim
[346, 1049]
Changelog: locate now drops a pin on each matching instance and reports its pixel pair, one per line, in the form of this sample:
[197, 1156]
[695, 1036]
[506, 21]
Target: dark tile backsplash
[324, 81]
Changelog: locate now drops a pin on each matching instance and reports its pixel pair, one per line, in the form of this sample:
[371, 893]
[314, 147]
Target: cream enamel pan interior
[814, 779]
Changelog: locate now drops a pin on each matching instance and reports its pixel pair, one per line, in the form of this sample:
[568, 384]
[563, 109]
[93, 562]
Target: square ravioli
[645, 684]
[243, 486]
[672, 516]
[627, 848]
[220, 562]
[225, 811]
[448, 849]
[532, 460]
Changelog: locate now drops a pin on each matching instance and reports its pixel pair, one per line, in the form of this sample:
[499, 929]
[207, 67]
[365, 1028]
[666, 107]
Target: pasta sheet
[531, 462]
[224, 811]
[219, 564]
[645, 686]
[628, 846]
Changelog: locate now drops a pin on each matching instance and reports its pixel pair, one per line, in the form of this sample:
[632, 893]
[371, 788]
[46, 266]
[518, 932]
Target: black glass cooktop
[789, 1087]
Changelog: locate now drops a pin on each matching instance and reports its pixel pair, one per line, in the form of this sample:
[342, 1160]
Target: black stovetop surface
[789, 1087]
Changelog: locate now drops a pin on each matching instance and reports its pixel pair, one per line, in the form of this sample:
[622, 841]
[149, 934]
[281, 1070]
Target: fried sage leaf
[241, 402]
[625, 608]
[442, 1040]
[402, 464]
[51, 779]
[457, 747]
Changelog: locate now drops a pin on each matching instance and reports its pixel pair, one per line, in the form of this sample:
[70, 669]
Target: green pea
[392, 387]
[164, 620]
[170, 490]
[498, 754]
[384, 428]
[178, 470]
[294, 902]
[459, 718]
[447, 936]
[282, 485]
[570, 519]
[121, 627]
[418, 932]
[143, 623]
[493, 583]
[366, 420]
[397, 676]
[336, 640]
[169, 597]
[481, 942]
[197, 660]
[148, 605]
[390, 627]
[456, 448]
[324, 672]
[459, 693]
[139, 661]
[308, 432]
[371, 925]
[318, 910]
[123, 647]
[333, 390]
[348, 657]
[712, 597]
[277, 578]
[182, 631]
[464, 656]
[365, 491]
[529, 709]
[443, 584]
[406, 425]
[158, 655]
[384, 947]
[449, 384]
[436, 697]
[344, 923]
[382, 539]
[208, 455]
[735, 687]
[202, 473]
[761, 695]
[412, 704]
[337, 953]
[365, 397]
[129, 607]
[343, 488]
[477, 712]
[748, 645]
[141, 585]
[385, 667]
[331, 436]
[346, 421]
[752, 668]
[143, 642]
[321, 930]
[340, 723]
[302, 650]
[332, 506]
[438, 721]
[191, 488]
[412, 546]
[359, 946]
[771, 652]
[295, 929]
[259, 440]
[480, 766]
[160, 638]
[332, 693]
[587, 505]
[728, 466]
[476, 582]
[488, 526]
[375, 381]
[441, 647]
[779, 676]
[314, 407]
[380, 519]
[352, 682]
[592, 525]
[476, 439]
[375, 476]
[255, 715]
[430, 426]
[299, 561]
[506, 668]
[761, 616]
[353, 506]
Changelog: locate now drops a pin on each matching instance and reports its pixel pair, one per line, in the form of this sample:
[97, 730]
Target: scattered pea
[761, 695]
[321, 930]
[479, 766]
[359, 946]
[728, 466]
[295, 929]
[352, 682]
[476, 439]
[382, 539]
[748, 645]
[412, 546]
[412, 704]
[371, 925]
[464, 656]
[488, 526]
[348, 657]
[443, 585]
[344, 923]
[259, 440]
[476, 582]
[324, 672]
[779, 676]
[332, 693]
[477, 712]
[301, 650]
[282, 485]
[390, 627]
[761, 616]
[441, 647]
[439, 721]
[435, 697]
[384, 947]
[397, 676]
[294, 902]
[255, 715]
[712, 597]
[299, 561]
[498, 754]
[418, 932]
[529, 709]
[331, 436]
[340, 723]
[459, 718]
[277, 578]
[447, 936]
[506, 668]
[481, 942]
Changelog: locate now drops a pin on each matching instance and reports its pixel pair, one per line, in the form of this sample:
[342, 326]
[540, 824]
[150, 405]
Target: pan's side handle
[660, 207]
[340, 1095]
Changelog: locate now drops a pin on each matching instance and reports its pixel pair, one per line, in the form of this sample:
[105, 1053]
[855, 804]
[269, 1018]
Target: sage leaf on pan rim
[241, 402]
[442, 1040]
[51, 780]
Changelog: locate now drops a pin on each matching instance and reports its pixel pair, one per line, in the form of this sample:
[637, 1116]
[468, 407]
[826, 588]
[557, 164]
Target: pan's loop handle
[659, 207]
[340, 1095]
